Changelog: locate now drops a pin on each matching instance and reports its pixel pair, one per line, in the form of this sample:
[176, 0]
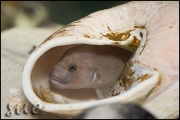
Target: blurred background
[48, 13]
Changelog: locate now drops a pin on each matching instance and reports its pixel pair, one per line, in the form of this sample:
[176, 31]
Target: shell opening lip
[53, 79]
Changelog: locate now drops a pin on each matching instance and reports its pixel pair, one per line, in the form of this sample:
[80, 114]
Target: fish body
[116, 111]
[89, 66]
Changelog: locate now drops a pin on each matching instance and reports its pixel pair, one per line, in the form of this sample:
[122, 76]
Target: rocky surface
[17, 43]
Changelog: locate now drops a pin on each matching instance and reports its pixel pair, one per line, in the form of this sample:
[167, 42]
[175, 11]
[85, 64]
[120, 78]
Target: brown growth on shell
[86, 36]
[117, 36]
[45, 95]
[134, 44]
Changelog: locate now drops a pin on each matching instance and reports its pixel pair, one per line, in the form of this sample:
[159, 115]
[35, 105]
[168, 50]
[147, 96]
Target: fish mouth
[53, 78]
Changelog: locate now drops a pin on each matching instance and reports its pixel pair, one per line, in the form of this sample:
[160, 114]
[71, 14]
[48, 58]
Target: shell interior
[42, 60]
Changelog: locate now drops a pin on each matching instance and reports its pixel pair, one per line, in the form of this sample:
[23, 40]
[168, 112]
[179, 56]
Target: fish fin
[93, 77]
[106, 90]
[99, 94]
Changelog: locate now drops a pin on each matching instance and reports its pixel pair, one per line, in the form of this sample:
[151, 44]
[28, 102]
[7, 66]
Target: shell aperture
[88, 66]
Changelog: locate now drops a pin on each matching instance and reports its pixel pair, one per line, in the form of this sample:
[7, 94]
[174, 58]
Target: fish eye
[72, 67]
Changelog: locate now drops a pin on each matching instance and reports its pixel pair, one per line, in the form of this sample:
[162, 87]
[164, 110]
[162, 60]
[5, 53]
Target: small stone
[14, 92]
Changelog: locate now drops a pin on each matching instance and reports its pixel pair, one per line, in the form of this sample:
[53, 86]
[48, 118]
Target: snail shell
[145, 79]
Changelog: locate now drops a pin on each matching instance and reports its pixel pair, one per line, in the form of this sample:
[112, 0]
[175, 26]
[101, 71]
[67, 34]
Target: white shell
[146, 87]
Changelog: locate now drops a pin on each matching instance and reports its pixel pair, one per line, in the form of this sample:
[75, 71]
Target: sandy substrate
[17, 43]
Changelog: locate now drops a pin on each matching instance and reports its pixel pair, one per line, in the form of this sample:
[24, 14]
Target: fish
[116, 111]
[89, 66]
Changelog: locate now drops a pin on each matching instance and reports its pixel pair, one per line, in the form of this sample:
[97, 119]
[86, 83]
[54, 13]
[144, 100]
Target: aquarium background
[64, 12]
[48, 13]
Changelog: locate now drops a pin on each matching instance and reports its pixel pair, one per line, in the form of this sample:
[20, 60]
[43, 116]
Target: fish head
[74, 71]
